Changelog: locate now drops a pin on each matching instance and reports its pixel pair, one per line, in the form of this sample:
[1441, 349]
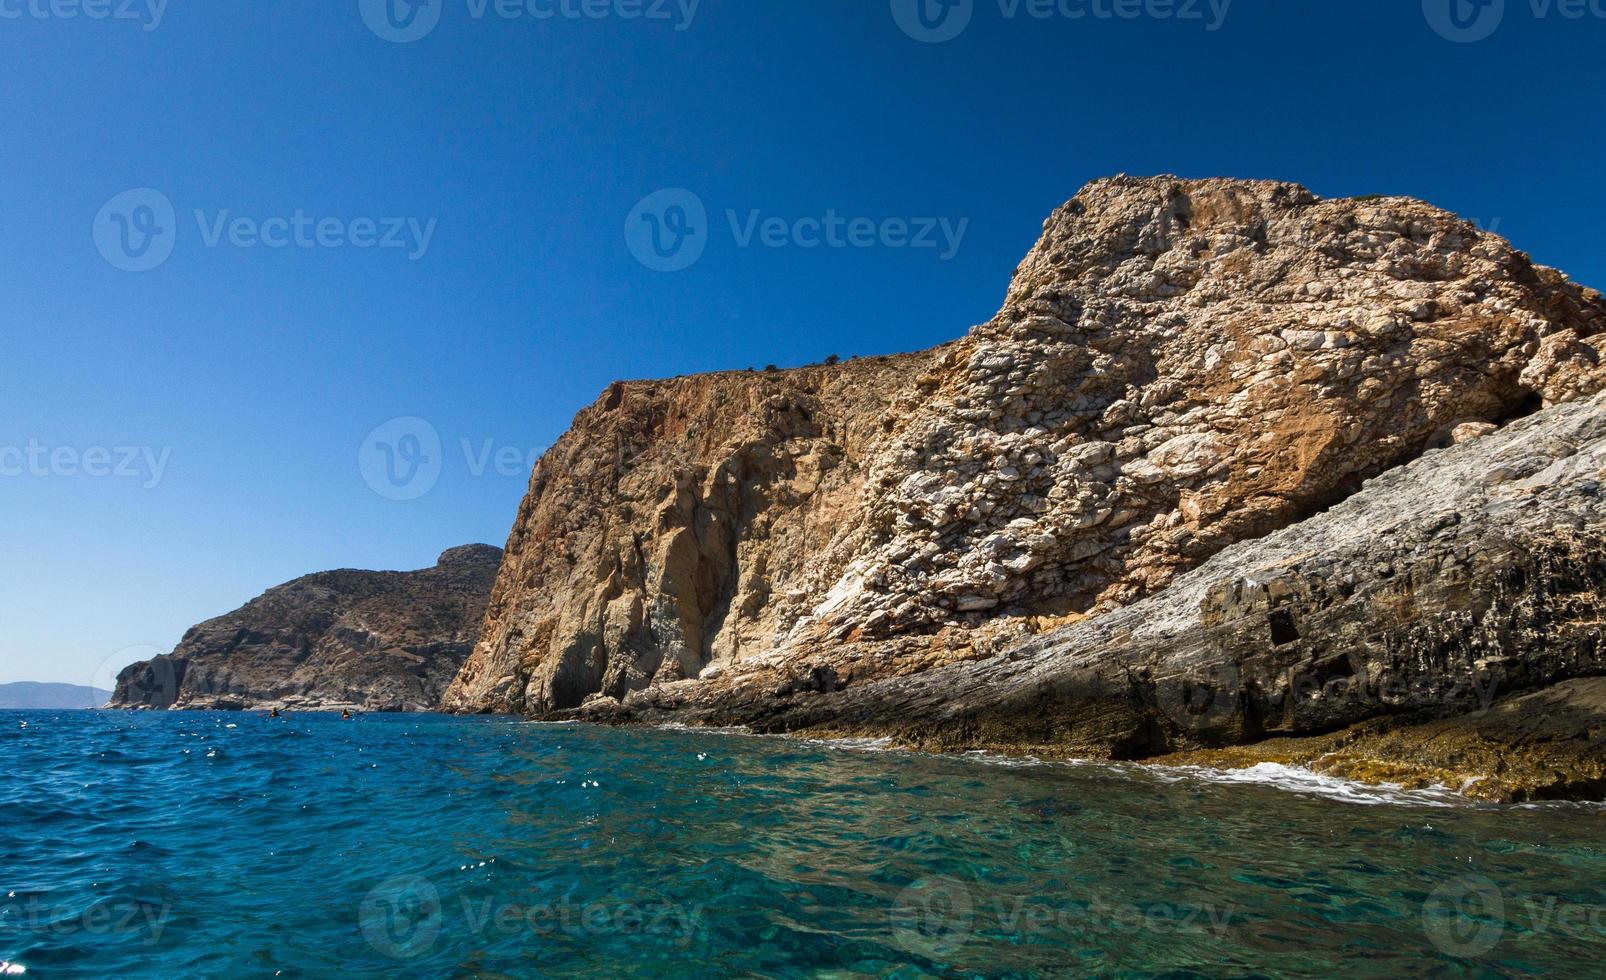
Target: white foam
[675, 726]
[853, 744]
[1295, 779]
[1013, 761]
[12, 969]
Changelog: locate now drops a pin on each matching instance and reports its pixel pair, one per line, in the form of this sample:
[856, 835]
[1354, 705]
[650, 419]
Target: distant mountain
[26, 695]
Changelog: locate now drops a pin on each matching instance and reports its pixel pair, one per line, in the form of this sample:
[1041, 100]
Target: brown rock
[382, 641]
[1178, 366]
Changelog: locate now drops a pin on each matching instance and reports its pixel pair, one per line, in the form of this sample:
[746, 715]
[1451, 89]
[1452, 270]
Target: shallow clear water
[203, 845]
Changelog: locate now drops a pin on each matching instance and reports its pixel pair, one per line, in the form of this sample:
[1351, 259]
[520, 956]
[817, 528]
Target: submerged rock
[378, 641]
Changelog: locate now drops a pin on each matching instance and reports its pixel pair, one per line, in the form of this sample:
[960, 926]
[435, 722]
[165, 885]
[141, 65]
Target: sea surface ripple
[160, 845]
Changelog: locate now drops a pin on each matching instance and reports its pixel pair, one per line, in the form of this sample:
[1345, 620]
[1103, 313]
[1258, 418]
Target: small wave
[854, 744]
[1295, 779]
[1026, 761]
[676, 726]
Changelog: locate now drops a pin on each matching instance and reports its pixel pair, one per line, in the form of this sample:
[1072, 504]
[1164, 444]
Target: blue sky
[234, 385]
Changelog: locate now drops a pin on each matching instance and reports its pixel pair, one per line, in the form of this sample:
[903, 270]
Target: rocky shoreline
[1234, 466]
[1436, 627]
[1236, 475]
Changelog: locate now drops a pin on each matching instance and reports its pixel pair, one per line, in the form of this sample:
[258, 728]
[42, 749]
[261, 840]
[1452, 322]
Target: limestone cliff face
[1443, 624]
[1178, 366]
[384, 641]
[679, 524]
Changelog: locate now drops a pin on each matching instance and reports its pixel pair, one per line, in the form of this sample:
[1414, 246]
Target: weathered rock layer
[382, 641]
[1464, 581]
[1178, 366]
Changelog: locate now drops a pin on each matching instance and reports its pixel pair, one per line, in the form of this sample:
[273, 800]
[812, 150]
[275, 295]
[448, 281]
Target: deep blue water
[212, 845]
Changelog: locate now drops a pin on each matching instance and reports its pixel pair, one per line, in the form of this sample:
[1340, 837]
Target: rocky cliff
[1442, 625]
[383, 641]
[1178, 366]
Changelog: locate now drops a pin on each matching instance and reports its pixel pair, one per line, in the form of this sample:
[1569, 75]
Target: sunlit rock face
[1178, 366]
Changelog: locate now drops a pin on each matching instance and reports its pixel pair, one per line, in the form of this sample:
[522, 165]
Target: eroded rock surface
[1462, 582]
[380, 641]
[1178, 366]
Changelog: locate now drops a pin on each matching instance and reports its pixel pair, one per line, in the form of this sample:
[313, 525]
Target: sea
[212, 845]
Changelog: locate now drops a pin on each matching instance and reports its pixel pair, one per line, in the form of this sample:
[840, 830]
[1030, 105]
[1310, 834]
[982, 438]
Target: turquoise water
[210, 845]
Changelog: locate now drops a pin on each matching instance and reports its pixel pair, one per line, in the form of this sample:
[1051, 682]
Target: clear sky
[175, 440]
